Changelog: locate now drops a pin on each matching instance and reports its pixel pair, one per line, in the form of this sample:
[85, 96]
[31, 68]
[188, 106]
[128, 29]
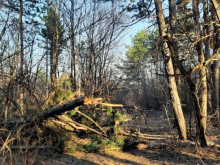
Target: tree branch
[215, 4]
[206, 62]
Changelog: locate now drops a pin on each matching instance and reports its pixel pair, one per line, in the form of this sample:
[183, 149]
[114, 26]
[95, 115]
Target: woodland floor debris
[168, 151]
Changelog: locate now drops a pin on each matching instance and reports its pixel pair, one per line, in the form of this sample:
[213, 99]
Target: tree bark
[54, 45]
[21, 52]
[54, 69]
[47, 72]
[72, 42]
[215, 4]
[206, 32]
[172, 16]
[176, 103]
[215, 66]
[202, 73]
[216, 91]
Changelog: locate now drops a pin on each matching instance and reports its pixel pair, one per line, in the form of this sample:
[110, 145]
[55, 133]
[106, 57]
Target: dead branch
[98, 101]
[75, 125]
[87, 128]
[29, 147]
[92, 121]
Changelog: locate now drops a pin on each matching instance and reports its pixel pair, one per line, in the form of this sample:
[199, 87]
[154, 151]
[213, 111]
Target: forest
[109, 82]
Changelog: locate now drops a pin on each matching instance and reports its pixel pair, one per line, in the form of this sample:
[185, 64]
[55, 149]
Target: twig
[91, 121]
[76, 125]
[29, 147]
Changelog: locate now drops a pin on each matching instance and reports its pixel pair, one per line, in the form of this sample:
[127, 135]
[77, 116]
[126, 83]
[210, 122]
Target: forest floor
[158, 144]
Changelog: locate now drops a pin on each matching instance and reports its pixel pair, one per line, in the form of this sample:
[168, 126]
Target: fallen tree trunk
[61, 109]
[55, 112]
[49, 113]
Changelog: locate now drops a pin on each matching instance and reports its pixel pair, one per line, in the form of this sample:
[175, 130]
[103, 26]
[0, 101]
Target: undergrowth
[70, 140]
[56, 133]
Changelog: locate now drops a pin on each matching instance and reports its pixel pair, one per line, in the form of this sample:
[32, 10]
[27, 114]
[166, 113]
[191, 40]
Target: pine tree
[53, 34]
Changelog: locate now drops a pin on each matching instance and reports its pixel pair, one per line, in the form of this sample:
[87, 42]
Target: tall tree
[136, 54]
[200, 113]
[216, 43]
[176, 103]
[53, 33]
[173, 29]
[206, 31]
[21, 50]
[72, 42]
[202, 73]
[134, 67]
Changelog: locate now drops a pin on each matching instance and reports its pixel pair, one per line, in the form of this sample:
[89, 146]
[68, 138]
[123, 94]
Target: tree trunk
[55, 46]
[47, 69]
[79, 70]
[216, 91]
[215, 66]
[206, 32]
[54, 69]
[21, 53]
[176, 103]
[73, 55]
[172, 16]
[215, 5]
[202, 73]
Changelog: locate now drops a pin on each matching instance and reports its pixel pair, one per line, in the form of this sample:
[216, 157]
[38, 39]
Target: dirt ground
[159, 145]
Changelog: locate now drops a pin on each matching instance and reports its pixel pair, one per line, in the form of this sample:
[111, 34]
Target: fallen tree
[54, 112]
[71, 105]
[49, 113]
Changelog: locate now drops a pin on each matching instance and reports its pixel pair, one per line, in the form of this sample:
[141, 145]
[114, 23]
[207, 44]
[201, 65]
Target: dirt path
[160, 145]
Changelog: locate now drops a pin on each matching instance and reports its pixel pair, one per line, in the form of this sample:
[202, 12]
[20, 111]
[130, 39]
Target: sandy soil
[159, 145]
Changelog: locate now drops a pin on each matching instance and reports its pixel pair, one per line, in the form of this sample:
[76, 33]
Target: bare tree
[21, 50]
